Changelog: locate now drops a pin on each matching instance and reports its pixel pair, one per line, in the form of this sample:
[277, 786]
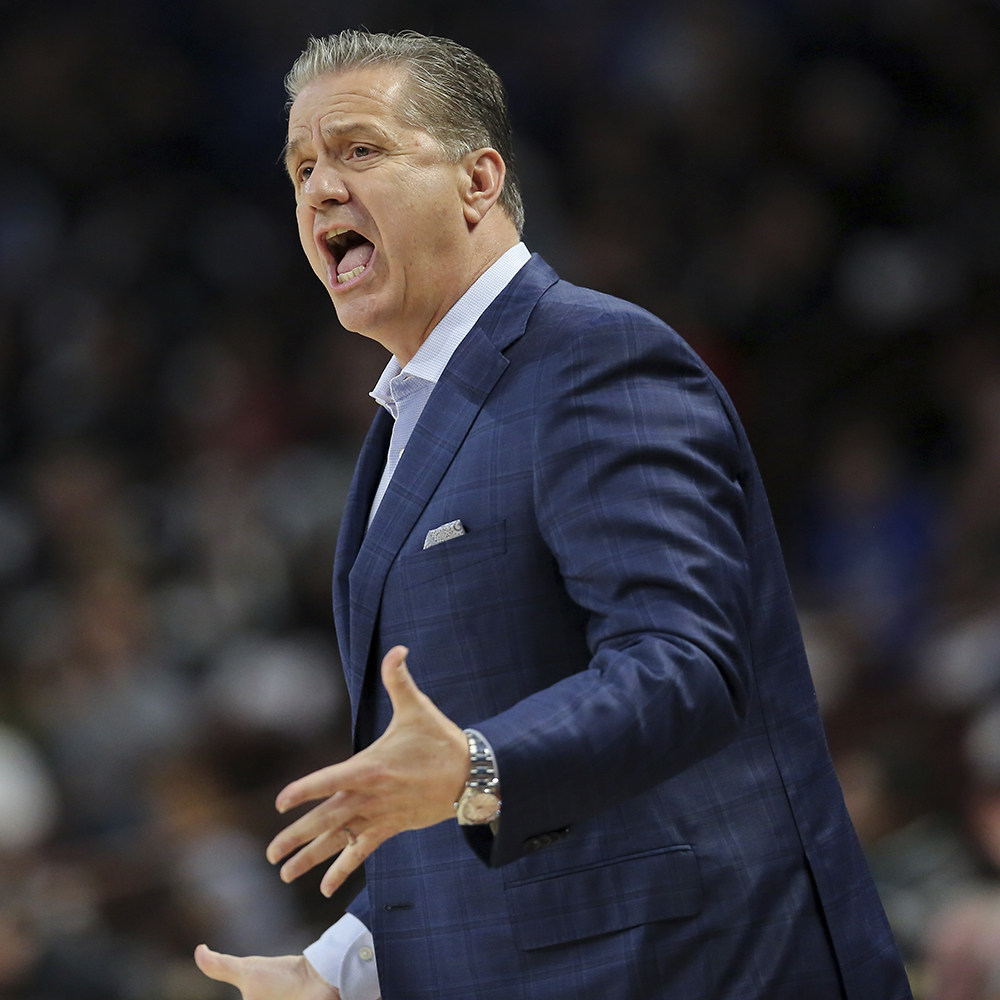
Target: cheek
[430, 237]
[304, 221]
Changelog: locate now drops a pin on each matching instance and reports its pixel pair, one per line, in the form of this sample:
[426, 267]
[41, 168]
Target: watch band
[480, 799]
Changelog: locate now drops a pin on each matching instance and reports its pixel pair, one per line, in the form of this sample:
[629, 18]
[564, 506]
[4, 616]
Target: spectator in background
[892, 769]
[962, 943]
[871, 540]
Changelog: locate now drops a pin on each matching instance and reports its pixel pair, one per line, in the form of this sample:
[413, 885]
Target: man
[565, 526]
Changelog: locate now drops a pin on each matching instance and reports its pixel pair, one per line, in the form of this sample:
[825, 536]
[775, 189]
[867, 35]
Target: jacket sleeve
[639, 497]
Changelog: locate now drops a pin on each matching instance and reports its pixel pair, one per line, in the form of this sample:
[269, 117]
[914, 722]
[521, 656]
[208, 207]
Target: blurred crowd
[806, 189]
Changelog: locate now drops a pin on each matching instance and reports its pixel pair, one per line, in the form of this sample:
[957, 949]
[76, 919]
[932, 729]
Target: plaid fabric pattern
[617, 623]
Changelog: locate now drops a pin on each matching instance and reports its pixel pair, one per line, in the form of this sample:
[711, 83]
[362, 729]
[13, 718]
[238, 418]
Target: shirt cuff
[345, 957]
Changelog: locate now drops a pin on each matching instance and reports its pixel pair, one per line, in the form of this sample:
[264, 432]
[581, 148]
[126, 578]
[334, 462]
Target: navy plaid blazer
[617, 621]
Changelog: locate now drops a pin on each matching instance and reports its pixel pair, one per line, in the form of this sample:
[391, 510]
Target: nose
[325, 184]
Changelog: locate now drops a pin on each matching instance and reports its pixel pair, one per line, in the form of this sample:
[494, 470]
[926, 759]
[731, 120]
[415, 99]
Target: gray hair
[453, 94]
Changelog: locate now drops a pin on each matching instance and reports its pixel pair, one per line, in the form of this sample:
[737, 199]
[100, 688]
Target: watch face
[478, 806]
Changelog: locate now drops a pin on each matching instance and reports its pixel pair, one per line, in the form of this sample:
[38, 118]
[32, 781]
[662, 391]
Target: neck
[485, 254]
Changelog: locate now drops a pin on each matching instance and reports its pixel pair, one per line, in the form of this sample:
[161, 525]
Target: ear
[483, 176]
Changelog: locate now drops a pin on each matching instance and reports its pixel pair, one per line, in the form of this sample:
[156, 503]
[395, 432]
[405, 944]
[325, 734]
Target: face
[379, 207]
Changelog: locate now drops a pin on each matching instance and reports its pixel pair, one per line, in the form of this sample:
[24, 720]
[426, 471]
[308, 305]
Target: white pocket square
[453, 529]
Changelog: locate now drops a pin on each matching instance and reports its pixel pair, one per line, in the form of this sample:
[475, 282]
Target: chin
[347, 319]
[355, 320]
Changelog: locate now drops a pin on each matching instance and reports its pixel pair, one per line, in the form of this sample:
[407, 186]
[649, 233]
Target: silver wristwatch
[480, 799]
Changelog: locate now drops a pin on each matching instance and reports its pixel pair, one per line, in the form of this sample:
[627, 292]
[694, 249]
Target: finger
[225, 968]
[326, 845]
[318, 785]
[329, 815]
[351, 857]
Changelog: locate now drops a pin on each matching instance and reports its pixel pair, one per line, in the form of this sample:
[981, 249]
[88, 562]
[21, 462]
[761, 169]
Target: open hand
[407, 779]
[289, 977]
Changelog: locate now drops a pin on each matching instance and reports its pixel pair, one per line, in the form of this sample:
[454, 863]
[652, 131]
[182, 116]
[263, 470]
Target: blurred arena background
[806, 189]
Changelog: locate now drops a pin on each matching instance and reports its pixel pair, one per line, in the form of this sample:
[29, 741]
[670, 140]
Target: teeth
[335, 234]
[351, 274]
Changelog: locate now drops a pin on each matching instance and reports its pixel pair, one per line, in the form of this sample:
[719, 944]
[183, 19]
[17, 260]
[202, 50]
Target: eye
[362, 152]
[304, 173]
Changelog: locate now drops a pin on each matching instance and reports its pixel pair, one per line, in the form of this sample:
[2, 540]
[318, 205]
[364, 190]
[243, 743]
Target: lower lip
[338, 286]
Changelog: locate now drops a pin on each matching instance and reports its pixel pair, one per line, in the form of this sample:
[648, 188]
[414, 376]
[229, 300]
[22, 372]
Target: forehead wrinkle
[348, 129]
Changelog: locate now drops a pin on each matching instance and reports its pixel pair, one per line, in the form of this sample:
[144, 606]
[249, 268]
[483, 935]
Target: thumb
[225, 968]
[399, 684]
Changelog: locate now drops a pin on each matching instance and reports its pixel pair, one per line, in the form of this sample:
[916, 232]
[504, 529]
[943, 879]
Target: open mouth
[351, 253]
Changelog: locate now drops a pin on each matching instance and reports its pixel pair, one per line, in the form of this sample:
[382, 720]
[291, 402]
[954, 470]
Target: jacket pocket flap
[602, 899]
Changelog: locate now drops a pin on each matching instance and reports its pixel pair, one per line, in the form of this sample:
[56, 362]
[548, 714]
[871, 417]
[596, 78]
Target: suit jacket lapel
[464, 386]
[367, 473]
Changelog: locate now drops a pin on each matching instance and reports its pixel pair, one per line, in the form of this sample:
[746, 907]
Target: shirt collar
[435, 352]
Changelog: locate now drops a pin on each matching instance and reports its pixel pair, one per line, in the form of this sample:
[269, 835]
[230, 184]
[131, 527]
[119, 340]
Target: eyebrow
[357, 129]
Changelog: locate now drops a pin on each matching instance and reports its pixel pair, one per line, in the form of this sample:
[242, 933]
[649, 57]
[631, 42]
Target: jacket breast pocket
[457, 553]
[600, 899]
